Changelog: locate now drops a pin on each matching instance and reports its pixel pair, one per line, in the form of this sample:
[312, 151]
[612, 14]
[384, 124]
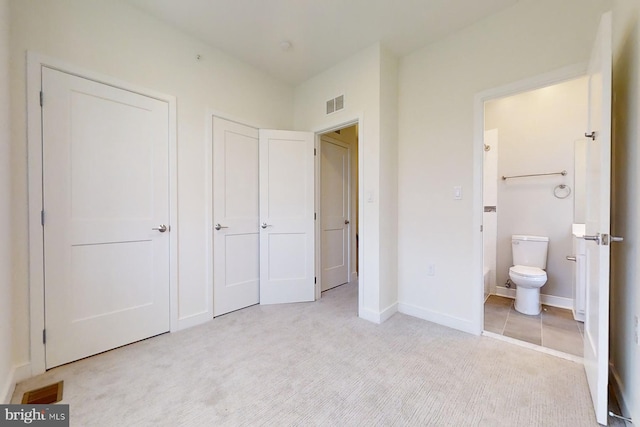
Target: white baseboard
[378, 318]
[388, 312]
[463, 325]
[618, 387]
[552, 300]
[17, 374]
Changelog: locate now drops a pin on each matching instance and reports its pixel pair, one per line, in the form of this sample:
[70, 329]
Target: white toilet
[529, 261]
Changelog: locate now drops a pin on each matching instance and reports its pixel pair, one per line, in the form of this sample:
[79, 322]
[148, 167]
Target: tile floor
[553, 328]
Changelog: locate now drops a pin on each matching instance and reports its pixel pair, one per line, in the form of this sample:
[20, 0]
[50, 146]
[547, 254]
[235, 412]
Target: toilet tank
[530, 250]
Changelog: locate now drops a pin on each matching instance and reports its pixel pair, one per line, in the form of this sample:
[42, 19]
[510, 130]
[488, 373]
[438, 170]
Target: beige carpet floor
[319, 364]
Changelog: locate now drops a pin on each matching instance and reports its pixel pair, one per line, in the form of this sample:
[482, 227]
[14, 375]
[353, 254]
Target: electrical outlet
[431, 270]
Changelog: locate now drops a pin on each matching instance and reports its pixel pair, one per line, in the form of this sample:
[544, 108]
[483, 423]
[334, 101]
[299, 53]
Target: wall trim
[552, 300]
[378, 318]
[535, 82]
[453, 322]
[617, 386]
[35, 62]
[17, 374]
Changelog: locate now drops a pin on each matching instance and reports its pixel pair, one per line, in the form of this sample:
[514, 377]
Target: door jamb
[35, 62]
[537, 82]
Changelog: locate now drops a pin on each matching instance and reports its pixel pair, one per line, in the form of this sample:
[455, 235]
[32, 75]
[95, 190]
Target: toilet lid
[526, 271]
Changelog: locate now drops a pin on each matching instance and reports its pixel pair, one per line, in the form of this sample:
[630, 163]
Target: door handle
[595, 238]
[218, 226]
[162, 228]
[571, 258]
[265, 225]
[346, 221]
[616, 238]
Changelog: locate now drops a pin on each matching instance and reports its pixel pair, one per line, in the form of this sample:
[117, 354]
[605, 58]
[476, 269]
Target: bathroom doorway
[532, 186]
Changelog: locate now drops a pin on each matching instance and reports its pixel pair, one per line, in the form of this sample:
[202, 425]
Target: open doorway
[337, 213]
[532, 195]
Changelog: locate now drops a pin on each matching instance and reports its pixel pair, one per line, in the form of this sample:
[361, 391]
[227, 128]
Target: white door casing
[236, 245]
[335, 219]
[598, 195]
[105, 186]
[286, 217]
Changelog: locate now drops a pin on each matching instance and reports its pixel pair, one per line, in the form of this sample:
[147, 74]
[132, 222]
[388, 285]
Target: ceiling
[320, 32]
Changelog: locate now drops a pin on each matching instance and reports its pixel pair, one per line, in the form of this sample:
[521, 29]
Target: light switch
[370, 197]
[457, 193]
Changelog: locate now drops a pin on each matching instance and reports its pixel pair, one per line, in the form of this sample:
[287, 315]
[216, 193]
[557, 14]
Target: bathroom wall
[538, 131]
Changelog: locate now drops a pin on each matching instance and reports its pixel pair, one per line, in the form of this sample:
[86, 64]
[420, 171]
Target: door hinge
[591, 135]
[315, 216]
[44, 336]
[314, 152]
[42, 217]
[481, 228]
[41, 98]
[315, 280]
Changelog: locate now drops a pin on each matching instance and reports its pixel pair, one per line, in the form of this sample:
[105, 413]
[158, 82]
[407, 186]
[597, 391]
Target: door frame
[318, 225]
[318, 199]
[536, 82]
[35, 62]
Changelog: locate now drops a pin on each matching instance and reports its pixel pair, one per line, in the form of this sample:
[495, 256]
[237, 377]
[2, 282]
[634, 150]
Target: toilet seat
[527, 272]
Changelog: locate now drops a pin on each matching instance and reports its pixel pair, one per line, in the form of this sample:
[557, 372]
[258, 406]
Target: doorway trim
[318, 202]
[536, 82]
[358, 120]
[35, 62]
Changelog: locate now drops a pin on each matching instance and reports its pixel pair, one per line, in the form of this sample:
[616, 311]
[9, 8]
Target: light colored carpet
[319, 364]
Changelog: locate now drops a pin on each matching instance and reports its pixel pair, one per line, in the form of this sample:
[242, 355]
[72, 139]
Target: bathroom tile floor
[553, 328]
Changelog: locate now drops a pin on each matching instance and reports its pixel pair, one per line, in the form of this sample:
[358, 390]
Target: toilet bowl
[528, 274]
[528, 281]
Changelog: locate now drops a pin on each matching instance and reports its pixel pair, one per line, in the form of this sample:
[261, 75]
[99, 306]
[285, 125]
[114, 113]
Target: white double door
[105, 203]
[263, 214]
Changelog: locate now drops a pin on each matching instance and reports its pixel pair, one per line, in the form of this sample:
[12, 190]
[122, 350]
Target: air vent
[335, 104]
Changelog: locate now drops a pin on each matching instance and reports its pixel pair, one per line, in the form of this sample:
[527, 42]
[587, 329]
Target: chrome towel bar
[563, 173]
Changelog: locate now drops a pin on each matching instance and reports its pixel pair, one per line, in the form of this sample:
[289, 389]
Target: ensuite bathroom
[534, 206]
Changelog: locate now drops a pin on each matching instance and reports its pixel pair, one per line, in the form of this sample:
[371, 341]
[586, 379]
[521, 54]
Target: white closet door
[236, 246]
[106, 204]
[287, 217]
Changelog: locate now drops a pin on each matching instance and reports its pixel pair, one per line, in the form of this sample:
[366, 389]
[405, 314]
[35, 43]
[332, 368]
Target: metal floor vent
[45, 395]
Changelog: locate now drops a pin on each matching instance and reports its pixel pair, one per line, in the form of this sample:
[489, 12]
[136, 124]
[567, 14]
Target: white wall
[436, 106]
[360, 78]
[625, 263]
[112, 38]
[388, 181]
[538, 130]
[6, 312]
